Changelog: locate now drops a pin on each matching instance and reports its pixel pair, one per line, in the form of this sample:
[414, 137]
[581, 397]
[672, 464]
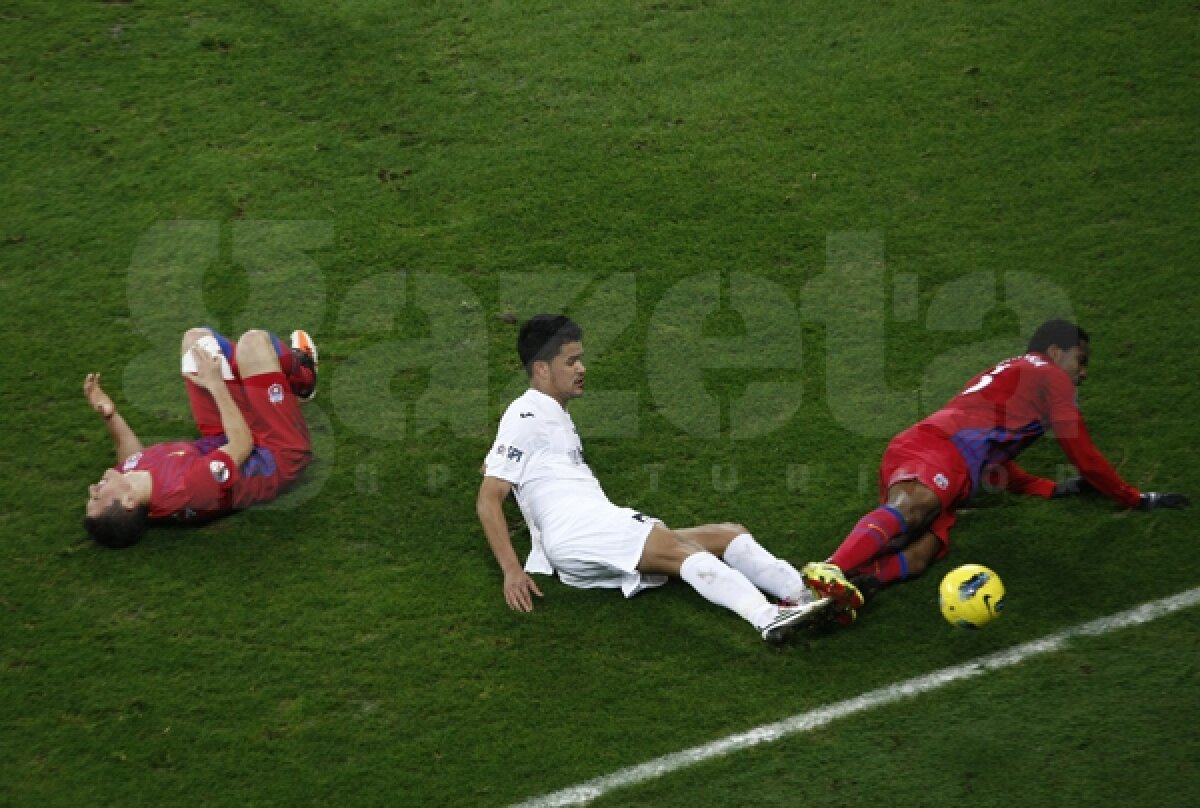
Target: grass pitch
[787, 230]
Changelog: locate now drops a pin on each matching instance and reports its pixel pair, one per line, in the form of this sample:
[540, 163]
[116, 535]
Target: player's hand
[1157, 499]
[1072, 487]
[519, 590]
[208, 368]
[97, 399]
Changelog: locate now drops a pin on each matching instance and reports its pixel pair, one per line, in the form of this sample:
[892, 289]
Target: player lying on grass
[935, 466]
[590, 541]
[253, 442]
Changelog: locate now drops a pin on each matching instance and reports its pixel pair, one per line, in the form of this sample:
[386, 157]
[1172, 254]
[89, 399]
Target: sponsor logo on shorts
[220, 471]
[275, 393]
[940, 481]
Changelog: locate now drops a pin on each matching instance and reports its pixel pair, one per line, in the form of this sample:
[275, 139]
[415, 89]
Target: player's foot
[779, 630]
[868, 585]
[842, 615]
[305, 351]
[828, 580]
[804, 596]
[833, 618]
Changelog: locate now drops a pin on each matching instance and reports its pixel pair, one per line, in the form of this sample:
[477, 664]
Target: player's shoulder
[527, 411]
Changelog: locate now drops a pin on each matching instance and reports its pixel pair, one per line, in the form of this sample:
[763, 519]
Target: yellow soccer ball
[971, 596]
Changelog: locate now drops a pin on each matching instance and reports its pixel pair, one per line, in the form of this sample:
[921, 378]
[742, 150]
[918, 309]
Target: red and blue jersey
[197, 480]
[1003, 410]
[192, 480]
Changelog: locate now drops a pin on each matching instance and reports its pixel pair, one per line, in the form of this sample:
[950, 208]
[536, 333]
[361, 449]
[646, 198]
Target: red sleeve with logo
[1072, 435]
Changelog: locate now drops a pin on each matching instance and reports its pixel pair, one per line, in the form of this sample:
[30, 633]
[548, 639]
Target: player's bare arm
[125, 441]
[519, 588]
[233, 423]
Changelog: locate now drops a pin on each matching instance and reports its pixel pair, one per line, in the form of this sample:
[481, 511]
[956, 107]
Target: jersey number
[987, 378]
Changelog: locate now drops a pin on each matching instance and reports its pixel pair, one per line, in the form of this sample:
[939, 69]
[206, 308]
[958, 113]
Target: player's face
[1074, 362]
[565, 372]
[113, 486]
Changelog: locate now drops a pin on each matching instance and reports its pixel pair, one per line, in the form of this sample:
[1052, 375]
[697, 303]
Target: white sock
[770, 574]
[725, 586]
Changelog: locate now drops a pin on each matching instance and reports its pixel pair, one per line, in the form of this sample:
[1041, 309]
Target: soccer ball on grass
[971, 596]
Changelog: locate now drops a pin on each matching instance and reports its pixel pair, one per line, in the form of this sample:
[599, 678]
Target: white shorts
[600, 547]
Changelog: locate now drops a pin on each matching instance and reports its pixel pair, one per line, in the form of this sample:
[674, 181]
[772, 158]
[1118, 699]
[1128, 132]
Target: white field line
[592, 789]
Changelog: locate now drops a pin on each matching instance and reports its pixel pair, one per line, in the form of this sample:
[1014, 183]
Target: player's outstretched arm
[519, 588]
[125, 441]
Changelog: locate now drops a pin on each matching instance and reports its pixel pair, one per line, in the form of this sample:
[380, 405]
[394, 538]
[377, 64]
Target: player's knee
[915, 503]
[920, 554]
[733, 529]
[257, 344]
[917, 563]
[192, 336]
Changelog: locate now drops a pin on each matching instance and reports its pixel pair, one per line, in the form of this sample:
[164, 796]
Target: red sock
[869, 537]
[886, 569]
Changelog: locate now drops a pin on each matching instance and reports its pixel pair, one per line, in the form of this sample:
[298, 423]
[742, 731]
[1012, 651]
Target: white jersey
[573, 525]
[538, 450]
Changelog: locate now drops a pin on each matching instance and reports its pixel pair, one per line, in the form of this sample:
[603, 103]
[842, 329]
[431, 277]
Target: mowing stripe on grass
[586, 792]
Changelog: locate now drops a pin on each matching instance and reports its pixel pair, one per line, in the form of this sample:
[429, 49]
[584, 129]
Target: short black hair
[1063, 333]
[542, 337]
[118, 526]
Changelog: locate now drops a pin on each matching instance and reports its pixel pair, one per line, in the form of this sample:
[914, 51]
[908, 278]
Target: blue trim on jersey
[210, 443]
[903, 566]
[222, 342]
[260, 463]
[981, 448]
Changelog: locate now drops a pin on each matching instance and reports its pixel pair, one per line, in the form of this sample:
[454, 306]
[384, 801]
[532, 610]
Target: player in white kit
[589, 541]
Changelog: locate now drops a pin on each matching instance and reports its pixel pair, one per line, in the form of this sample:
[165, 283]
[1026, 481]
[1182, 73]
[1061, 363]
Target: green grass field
[788, 229]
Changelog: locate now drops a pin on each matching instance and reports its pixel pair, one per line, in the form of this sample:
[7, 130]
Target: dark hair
[543, 336]
[118, 526]
[1064, 334]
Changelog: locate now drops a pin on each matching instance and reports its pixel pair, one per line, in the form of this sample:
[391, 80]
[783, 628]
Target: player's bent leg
[914, 502]
[769, 573]
[736, 546]
[270, 407]
[667, 552]
[713, 538]
[204, 410]
[919, 554]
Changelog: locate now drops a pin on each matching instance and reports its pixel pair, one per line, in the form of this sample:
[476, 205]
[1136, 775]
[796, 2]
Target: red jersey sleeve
[1072, 435]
